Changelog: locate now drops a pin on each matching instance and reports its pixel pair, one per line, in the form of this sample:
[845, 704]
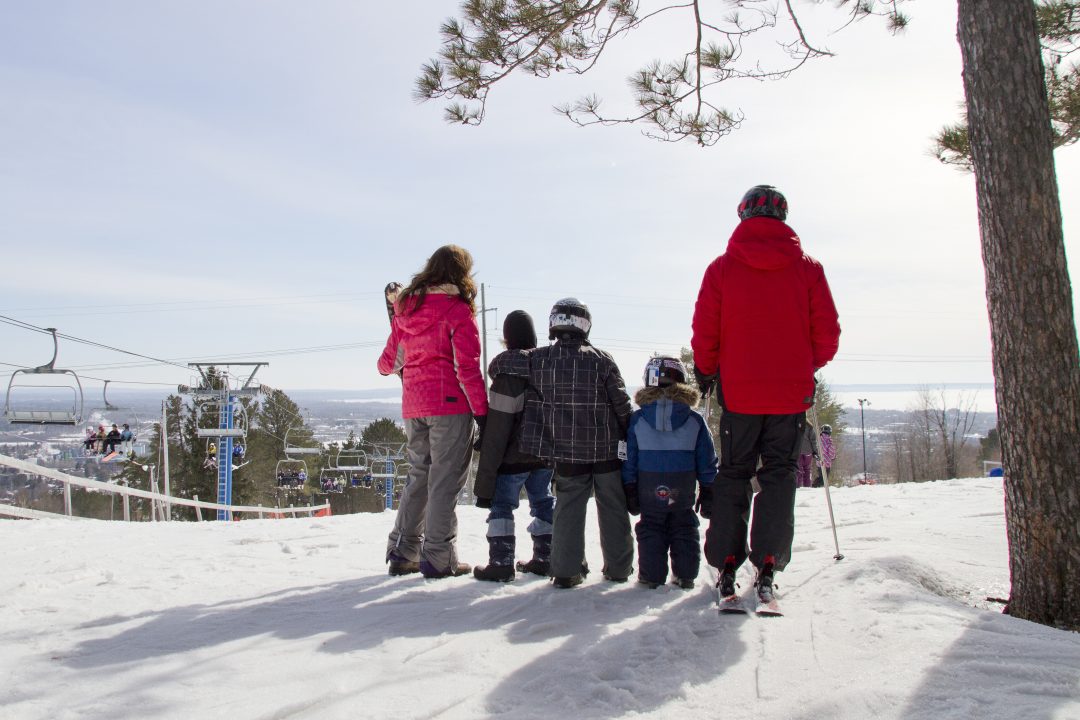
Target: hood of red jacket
[438, 301]
[764, 243]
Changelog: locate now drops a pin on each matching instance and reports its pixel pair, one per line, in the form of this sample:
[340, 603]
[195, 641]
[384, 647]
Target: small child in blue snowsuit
[669, 456]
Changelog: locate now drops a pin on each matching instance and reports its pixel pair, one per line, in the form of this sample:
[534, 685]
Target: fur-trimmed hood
[667, 408]
[679, 392]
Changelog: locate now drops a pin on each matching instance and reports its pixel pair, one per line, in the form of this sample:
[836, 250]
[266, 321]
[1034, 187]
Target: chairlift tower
[388, 454]
[215, 392]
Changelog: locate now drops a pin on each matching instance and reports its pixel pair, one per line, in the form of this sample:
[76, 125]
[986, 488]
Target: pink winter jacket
[437, 348]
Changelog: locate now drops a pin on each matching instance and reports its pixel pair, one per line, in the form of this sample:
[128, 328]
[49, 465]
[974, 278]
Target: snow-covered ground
[297, 618]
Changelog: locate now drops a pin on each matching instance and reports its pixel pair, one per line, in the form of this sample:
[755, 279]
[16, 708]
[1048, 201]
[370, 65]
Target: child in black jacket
[503, 468]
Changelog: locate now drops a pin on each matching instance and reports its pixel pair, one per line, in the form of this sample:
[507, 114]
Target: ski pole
[825, 478]
[708, 404]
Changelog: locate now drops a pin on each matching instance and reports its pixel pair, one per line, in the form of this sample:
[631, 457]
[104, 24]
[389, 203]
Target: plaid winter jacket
[577, 409]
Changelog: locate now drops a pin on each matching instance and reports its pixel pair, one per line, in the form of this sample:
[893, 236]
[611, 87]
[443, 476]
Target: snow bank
[297, 618]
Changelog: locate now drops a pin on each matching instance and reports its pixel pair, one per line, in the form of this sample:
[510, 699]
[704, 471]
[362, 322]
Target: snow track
[214, 619]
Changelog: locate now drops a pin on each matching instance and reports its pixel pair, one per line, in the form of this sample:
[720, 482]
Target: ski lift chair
[35, 416]
[291, 450]
[350, 461]
[289, 470]
[240, 424]
[330, 482]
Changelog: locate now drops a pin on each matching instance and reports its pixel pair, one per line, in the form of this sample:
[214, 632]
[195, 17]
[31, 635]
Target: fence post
[198, 510]
[67, 499]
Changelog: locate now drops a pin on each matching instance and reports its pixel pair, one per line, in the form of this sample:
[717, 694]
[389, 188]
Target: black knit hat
[518, 331]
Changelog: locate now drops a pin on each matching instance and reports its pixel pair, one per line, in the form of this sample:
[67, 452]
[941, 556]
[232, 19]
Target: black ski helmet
[569, 315]
[763, 201]
[826, 429]
[662, 371]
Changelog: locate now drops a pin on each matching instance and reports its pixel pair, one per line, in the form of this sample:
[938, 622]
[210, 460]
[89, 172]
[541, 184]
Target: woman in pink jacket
[435, 346]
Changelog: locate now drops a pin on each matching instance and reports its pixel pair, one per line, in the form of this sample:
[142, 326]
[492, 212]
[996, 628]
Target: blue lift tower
[216, 395]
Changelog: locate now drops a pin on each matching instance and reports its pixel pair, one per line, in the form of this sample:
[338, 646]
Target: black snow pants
[674, 531]
[744, 440]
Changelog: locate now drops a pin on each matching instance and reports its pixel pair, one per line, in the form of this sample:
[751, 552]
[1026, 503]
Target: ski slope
[297, 619]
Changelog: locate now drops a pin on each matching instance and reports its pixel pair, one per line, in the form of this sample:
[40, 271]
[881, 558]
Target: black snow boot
[500, 567]
[540, 564]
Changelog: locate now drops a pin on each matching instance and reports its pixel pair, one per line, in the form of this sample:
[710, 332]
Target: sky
[238, 180]
[298, 619]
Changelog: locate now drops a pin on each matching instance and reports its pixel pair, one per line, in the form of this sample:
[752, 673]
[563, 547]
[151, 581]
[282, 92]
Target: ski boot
[764, 582]
[725, 586]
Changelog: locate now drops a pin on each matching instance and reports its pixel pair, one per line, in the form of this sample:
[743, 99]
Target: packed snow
[298, 619]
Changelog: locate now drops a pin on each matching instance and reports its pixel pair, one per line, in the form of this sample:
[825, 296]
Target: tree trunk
[1036, 360]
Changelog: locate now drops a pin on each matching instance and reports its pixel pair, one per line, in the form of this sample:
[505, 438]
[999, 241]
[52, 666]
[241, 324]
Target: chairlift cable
[72, 338]
[210, 304]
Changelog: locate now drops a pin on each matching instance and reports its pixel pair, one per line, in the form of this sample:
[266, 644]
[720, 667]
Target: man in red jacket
[763, 324]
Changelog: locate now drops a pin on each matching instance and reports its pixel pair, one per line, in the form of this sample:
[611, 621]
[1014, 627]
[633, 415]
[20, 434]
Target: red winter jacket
[437, 348]
[765, 319]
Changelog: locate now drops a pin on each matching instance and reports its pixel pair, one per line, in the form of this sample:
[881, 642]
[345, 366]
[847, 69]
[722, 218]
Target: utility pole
[862, 427]
[165, 457]
[484, 309]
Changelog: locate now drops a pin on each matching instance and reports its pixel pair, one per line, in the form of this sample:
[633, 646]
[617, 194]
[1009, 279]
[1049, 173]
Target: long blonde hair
[449, 265]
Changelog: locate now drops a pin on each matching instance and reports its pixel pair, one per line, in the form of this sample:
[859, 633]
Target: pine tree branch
[497, 38]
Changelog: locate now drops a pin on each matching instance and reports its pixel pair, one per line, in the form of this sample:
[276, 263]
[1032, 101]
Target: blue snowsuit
[669, 451]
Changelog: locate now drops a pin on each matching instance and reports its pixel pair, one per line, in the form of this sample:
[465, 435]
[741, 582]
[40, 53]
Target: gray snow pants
[568, 534]
[439, 448]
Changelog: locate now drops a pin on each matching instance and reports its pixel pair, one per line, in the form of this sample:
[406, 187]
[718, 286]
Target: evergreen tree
[187, 477]
[1059, 31]
[278, 417]
[990, 446]
[829, 410]
[382, 432]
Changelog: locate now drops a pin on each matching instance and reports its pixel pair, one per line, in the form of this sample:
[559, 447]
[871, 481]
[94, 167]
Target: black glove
[481, 421]
[705, 382]
[483, 502]
[633, 505]
[704, 501]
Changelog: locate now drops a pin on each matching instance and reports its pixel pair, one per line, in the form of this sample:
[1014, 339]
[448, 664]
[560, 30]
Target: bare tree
[949, 426]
